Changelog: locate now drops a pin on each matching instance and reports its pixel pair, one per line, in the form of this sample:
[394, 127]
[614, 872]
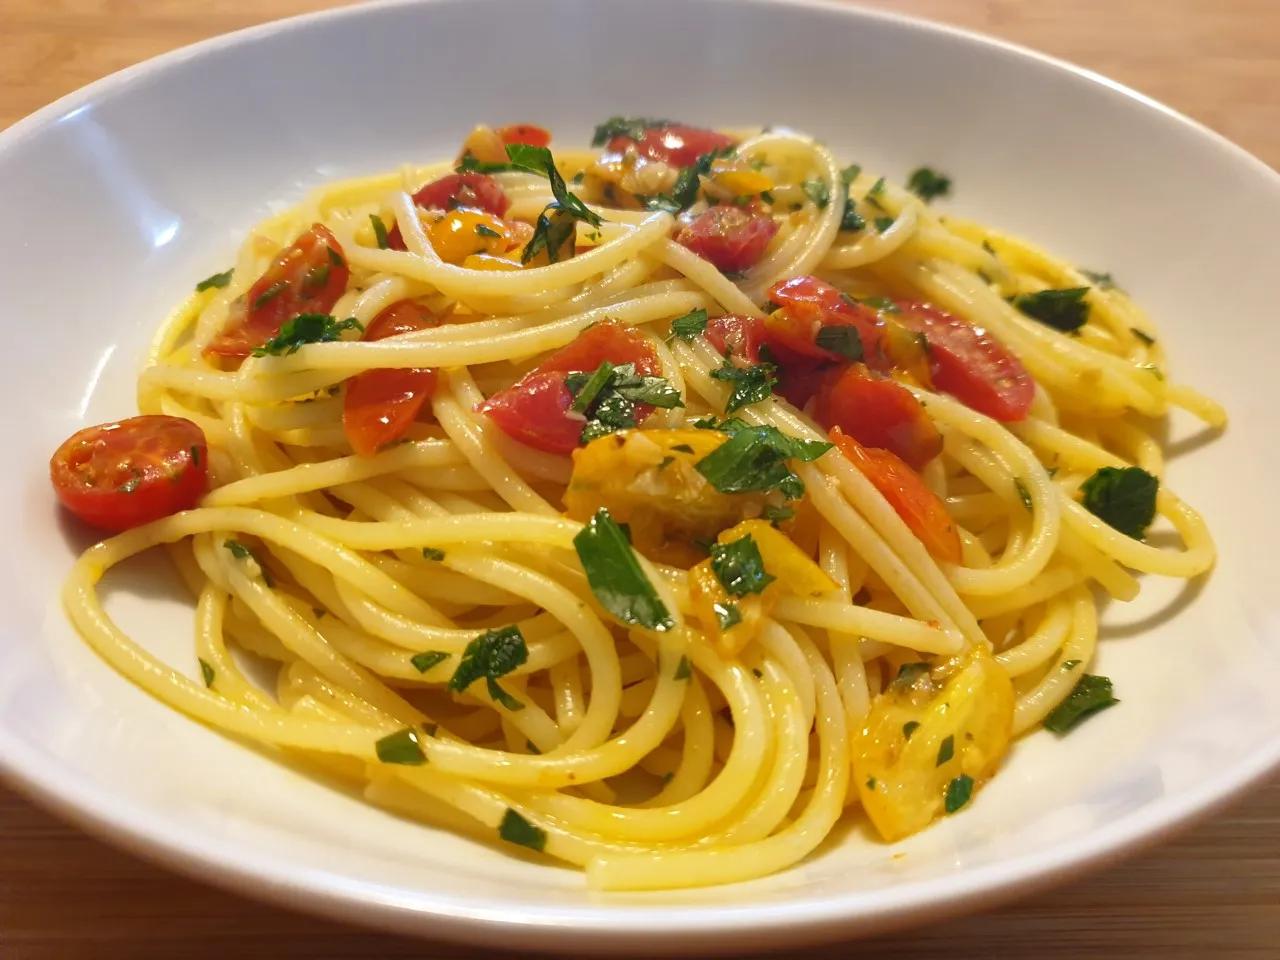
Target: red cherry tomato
[675, 143]
[918, 506]
[307, 277]
[119, 475]
[879, 413]
[525, 133]
[736, 336]
[478, 191]
[970, 364]
[380, 405]
[728, 237]
[535, 409]
[805, 306]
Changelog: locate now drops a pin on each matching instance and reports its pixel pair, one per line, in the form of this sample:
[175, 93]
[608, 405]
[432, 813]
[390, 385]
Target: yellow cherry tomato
[463, 232]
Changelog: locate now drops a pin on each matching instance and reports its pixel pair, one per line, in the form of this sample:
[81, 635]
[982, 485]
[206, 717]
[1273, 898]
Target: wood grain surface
[1213, 892]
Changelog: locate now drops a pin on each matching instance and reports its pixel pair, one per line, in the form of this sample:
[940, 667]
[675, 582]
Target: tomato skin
[970, 364]
[119, 475]
[307, 277]
[527, 133]
[878, 413]
[380, 405]
[905, 491]
[737, 336]
[805, 306]
[535, 409]
[674, 144]
[476, 190]
[729, 238]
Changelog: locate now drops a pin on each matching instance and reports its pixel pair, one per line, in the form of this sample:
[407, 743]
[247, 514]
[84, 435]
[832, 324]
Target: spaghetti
[656, 506]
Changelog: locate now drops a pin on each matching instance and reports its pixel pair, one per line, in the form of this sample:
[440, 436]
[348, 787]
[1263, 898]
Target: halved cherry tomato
[675, 143]
[917, 505]
[970, 364]
[535, 409]
[878, 412]
[477, 191]
[119, 475]
[307, 277]
[805, 306]
[736, 336]
[525, 133]
[731, 239]
[380, 405]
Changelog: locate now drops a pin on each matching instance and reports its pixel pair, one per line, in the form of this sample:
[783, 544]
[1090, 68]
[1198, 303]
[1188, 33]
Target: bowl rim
[658, 928]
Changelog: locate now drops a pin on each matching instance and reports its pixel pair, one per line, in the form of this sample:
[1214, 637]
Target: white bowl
[118, 197]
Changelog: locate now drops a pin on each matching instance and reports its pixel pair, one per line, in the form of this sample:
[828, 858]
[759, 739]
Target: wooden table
[1216, 891]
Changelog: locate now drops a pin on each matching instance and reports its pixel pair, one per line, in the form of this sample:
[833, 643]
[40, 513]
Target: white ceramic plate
[118, 197]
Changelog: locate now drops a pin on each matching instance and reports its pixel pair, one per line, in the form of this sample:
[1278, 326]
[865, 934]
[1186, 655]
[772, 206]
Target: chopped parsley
[303, 329]
[1142, 335]
[928, 184]
[556, 223]
[882, 305]
[684, 669]
[755, 459]
[609, 396]
[483, 230]
[432, 553]
[750, 384]
[493, 654]
[1103, 281]
[690, 325]
[554, 232]
[739, 567]
[1064, 310]
[946, 750]
[424, 661]
[958, 793]
[884, 223]
[516, 829]
[727, 615]
[777, 514]
[401, 747]
[238, 549]
[1023, 493]
[1123, 498]
[206, 672]
[1070, 664]
[844, 341]
[873, 195]
[851, 219]
[909, 728]
[908, 674]
[1090, 695]
[633, 127]
[818, 192]
[615, 575]
[217, 281]
[684, 193]
[269, 294]
[379, 231]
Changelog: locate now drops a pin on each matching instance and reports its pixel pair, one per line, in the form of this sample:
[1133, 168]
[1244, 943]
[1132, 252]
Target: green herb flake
[335, 257]
[1064, 310]
[493, 654]
[1090, 695]
[269, 294]
[424, 661]
[750, 384]
[1103, 281]
[432, 553]
[908, 674]
[1142, 335]
[196, 455]
[609, 395]
[946, 750]
[1023, 493]
[486, 231]
[777, 514]
[1070, 664]
[909, 728]
[871, 783]
[958, 793]
[316, 277]
[206, 672]
[727, 615]
[685, 191]
[238, 549]
[516, 829]
[532, 747]
[818, 192]
[633, 127]
[882, 305]
[884, 223]
[303, 329]
[840, 340]
[615, 575]
[739, 567]
[851, 220]
[692, 324]
[401, 747]
[682, 448]
[874, 194]
[928, 184]
[215, 282]
[1123, 498]
[684, 669]
[379, 231]
[755, 459]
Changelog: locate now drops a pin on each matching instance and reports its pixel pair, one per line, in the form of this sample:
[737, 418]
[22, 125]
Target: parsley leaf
[946, 750]
[238, 549]
[1090, 695]
[750, 384]
[609, 397]
[927, 184]
[424, 661]
[842, 340]
[777, 515]
[958, 793]
[908, 674]
[739, 567]
[727, 615]
[873, 195]
[554, 232]
[755, 458]
[1064, 310]
[432, 553]
[615, 575]
[217, 281]
[818, 192]
[684, 669]
[883, 223]
[401, 747]
[516, 829]
[633, 127]
[909, 728]
[851, 219]
[206, 672]
[1023, 493]
[493, 654]
[684, 193]
[1103, 281]
[486, 231]
[306, 328]
[690, 325]
[379, 231]
[1123, 497]
[1142, 335]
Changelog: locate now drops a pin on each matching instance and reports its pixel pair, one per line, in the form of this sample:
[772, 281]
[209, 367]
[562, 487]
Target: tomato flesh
[535, 409]
[526, 133]
[475, 191]
[878, 413]
[380, 405]
[307, 277]
[730, 238]
[918, 506]
[733, 335]
[805, 306]
[119, 475]
[970, 364]
[675, 144]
